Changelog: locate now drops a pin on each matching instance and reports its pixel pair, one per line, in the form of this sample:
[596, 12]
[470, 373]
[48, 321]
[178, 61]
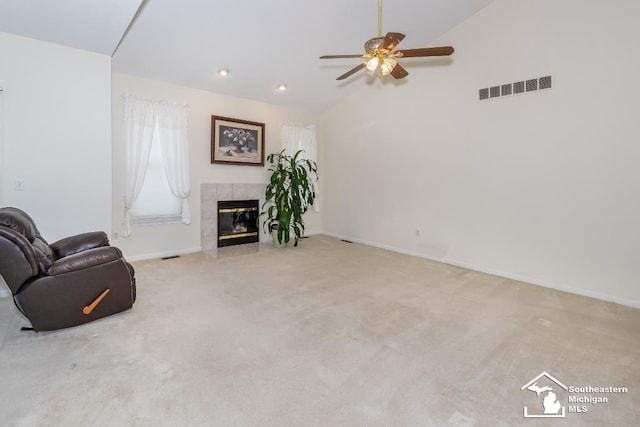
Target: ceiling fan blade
[340, 56]
[399, 72]
[351, 71]
[390, 41]
[425, 51]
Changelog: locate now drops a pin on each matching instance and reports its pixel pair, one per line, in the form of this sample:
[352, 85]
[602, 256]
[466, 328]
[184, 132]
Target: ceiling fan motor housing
[371, 45]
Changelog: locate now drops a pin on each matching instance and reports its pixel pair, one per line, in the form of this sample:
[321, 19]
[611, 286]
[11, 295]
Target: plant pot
[276, 244]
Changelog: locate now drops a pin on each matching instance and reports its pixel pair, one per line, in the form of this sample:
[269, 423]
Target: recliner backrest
[19, 222]
[18, 260]
[24, 252]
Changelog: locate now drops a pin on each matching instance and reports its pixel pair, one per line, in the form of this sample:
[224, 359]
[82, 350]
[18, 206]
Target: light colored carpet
[326, 334]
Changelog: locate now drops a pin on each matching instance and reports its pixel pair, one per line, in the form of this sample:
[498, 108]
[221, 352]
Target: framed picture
[237, 142]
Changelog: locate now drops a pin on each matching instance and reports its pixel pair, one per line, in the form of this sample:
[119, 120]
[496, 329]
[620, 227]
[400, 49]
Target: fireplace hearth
[237, 222]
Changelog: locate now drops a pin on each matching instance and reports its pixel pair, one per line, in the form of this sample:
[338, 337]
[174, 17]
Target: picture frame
[237, 142]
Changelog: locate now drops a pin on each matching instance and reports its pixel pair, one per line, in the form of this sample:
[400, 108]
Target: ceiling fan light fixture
[372, 64]
[388, 65]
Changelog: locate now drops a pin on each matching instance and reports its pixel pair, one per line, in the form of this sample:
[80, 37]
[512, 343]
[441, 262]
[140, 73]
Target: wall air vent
[518, 87]
[544, 82]
[515, 88]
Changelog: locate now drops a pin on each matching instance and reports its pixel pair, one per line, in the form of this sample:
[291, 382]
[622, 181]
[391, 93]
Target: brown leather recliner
[70, 282]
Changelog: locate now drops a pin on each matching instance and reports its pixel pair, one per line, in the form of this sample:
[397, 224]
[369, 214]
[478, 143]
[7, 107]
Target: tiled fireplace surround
[210, 194]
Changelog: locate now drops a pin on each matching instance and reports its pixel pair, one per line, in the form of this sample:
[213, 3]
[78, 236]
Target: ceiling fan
[380, 57]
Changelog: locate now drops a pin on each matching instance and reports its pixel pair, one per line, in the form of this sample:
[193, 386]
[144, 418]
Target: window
[156, 203]
[299, 137]
[156, 162]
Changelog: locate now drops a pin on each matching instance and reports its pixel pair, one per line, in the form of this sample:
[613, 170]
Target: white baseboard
[193, 250]
[163, 254]
[520, 278]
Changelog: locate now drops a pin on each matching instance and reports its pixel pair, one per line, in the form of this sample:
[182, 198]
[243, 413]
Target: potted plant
[289, 194]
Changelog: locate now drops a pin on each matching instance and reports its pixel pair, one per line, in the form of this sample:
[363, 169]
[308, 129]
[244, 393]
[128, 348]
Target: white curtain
[140, 119]
[299, 137]
[172, 132]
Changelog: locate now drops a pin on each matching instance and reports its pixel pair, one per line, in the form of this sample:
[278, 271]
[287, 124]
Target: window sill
[156, 220]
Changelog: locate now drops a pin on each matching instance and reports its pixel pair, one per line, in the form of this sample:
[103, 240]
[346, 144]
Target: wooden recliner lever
[89, 308]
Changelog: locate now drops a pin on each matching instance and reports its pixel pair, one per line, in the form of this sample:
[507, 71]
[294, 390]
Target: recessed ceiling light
[282, 87]
[223, 72]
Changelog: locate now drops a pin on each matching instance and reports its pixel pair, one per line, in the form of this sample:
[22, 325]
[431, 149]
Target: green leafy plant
[289, 194]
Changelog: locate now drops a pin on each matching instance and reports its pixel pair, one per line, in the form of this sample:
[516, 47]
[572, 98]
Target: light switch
[19, 185]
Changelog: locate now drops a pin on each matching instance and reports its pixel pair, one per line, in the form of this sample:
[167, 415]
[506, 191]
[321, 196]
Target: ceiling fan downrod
[379, 18]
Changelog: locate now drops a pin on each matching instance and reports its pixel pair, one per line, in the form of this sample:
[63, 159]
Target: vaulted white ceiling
[93, 25]
[262, 43]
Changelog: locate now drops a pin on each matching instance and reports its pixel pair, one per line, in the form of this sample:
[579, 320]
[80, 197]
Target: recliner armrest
[79, 243]
[85, 259]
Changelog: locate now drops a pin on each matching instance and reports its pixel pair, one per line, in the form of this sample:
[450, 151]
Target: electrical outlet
[18, 185]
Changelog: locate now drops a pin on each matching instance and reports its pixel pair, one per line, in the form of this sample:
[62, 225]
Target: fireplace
[237, 222]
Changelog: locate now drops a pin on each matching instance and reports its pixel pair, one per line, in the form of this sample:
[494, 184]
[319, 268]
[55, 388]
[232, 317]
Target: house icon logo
[545, 386]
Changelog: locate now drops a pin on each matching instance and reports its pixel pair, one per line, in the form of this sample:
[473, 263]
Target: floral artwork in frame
[237, 142]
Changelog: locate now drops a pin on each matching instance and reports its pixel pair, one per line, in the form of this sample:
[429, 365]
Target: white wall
[149, 241]
[56, 135]
[543, 187]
